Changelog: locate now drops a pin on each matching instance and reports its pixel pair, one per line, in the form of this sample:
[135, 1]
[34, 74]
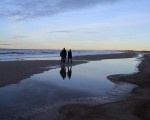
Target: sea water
[45, 54]
[64, 84]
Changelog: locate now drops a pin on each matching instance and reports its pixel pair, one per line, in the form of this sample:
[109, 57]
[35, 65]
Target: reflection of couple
[63, 71]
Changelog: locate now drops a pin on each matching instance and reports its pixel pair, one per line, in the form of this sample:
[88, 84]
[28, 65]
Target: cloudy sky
[76, 24]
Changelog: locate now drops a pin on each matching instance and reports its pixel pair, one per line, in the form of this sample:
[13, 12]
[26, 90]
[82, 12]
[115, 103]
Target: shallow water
[63, 84]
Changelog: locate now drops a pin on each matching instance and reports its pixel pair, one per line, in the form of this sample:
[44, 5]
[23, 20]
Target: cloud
[5, 44]
[76, 30]
[19, 37]
[24, 9]
[61, 31]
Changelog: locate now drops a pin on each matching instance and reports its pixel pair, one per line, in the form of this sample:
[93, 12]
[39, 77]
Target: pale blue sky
[76, 24]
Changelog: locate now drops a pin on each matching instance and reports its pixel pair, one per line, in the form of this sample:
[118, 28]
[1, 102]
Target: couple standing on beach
[63, 55]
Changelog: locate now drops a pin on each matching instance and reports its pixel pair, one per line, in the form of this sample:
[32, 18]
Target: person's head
[64, 49]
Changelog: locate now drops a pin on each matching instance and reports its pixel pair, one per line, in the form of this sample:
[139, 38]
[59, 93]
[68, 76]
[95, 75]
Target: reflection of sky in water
[87, 80]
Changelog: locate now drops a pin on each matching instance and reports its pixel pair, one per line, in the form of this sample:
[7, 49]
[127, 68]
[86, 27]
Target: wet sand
[142, 78]
[134, 107]
[12, 72]
[106, 56]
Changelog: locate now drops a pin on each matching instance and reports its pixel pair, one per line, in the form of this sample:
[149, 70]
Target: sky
[75, 24]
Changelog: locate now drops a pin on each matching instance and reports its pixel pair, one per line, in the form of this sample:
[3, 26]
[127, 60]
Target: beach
[12, 72]
[75, 60]
[134, 107]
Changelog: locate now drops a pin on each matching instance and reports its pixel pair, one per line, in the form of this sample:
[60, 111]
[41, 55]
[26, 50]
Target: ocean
[45, 54]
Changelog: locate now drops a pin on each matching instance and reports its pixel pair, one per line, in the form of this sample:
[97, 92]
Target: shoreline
[134, 107]
[91, 111]
[140, 78]
[12, 72]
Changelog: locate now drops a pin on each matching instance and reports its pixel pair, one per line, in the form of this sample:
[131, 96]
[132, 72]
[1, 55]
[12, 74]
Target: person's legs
[64, 59]
[61, 59]
[69, 59]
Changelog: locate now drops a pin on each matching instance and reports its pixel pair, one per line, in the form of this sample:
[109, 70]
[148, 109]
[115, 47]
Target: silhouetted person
[63, 72]
[69, 56]
[69, 72]
[63, 55]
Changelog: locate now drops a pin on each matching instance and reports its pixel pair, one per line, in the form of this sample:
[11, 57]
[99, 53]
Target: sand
[106, 56]
[141, 78]
[135, 107]
[12, 72]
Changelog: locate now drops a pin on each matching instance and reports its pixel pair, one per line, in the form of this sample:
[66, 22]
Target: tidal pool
[62, 84]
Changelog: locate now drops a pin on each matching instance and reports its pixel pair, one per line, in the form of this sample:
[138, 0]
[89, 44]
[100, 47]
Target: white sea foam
[43, 54]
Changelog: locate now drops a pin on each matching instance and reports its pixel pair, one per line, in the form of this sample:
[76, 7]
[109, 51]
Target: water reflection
[63, 72]
[69, 71]
[53, 86]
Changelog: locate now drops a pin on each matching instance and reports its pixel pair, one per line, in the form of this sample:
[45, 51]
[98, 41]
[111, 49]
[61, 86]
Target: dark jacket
[69, 54]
